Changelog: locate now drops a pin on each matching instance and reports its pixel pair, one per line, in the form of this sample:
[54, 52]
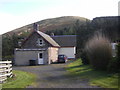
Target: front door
[40, 58]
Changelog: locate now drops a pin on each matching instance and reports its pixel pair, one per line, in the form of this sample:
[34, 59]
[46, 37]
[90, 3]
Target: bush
[118, 53]
[115, 62]
[113, 65]
[99, 51]
[84, 57]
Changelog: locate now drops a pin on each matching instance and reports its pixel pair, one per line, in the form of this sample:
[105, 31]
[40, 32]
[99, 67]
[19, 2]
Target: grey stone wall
[31, 42]
[23, 57]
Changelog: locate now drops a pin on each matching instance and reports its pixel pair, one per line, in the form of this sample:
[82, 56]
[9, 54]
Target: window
[40, 42]
[40, 55]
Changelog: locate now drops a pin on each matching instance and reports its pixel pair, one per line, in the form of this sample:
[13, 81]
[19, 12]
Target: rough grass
[20, 80]
[98, 78]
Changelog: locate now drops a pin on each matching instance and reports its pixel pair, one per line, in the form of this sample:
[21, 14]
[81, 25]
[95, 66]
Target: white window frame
[40, 42]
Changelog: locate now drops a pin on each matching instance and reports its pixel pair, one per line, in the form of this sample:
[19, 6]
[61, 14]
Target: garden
[97, 63]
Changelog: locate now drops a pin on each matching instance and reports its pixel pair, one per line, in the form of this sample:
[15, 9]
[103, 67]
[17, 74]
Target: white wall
[53, 54]
[68, 51]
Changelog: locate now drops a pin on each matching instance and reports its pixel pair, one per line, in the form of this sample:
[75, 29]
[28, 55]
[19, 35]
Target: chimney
[52, 34]
[35, 27]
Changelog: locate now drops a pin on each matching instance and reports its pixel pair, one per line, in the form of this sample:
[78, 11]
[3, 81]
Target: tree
[8, 45]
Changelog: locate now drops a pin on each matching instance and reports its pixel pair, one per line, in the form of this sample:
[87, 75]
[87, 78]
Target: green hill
[84, 28]
[58, 23]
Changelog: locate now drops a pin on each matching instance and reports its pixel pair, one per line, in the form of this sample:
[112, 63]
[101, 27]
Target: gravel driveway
[54, 76]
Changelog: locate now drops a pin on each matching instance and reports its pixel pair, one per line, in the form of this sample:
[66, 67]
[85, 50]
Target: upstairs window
[40, 42]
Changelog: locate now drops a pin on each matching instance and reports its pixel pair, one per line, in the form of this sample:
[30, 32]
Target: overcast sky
[17, 13]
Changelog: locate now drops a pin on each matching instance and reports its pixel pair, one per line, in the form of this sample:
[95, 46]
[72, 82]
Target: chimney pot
[35, 27]
[52, 34]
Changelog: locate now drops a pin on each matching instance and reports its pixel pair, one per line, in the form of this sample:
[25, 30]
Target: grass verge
[97, 78]
[20, 80]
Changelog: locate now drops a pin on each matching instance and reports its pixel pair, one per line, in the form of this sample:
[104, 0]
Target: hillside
[64, 26]
[50, 24]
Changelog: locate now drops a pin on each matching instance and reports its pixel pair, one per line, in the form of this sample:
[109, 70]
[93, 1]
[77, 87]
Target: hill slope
[50, 24]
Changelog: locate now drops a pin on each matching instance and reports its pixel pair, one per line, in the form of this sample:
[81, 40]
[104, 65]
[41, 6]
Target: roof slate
[65, 40]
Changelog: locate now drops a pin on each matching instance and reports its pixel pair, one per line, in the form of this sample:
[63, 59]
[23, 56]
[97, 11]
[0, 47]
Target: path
[54, 76]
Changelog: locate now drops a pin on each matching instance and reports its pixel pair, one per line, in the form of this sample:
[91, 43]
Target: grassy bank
[20, 80]
[98, 78]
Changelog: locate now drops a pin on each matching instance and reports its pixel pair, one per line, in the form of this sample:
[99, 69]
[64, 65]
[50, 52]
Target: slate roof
[48, 39]
[45, 36]
[65, 40]
[58, 40]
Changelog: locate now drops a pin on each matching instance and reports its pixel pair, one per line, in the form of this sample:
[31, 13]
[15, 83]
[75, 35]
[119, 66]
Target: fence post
[5, 70]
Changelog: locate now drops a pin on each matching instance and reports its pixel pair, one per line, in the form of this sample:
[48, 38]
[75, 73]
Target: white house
[67, 45]
[44, 48]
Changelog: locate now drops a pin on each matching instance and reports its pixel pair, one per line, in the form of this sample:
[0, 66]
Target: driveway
[54, 76]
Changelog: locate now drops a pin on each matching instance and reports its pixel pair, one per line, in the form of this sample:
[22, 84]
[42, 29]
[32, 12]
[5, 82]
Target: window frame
[40, 42]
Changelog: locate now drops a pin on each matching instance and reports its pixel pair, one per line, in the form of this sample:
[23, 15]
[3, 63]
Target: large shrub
[84, 57]
[118, 53]
[113, 65]
[99, 51]
[115, 62]
[118, 56]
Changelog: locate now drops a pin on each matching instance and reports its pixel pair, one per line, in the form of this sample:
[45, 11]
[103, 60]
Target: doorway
[40, 58]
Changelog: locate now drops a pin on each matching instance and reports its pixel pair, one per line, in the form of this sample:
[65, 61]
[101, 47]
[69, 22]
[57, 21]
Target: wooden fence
[5, 70]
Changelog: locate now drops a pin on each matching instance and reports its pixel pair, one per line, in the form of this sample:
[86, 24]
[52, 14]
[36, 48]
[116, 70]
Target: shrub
[99, 51]
[118, 56]
[115, 62]
[118, 53]
[113, 65]
[84, 57]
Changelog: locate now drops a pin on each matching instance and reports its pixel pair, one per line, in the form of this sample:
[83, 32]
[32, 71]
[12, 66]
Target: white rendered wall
[68, 51]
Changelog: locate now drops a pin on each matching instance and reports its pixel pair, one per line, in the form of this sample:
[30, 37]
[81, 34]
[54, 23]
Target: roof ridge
[62, 35]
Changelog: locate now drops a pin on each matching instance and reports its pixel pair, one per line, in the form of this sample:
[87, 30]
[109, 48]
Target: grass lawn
[20, 80]
[98, 78]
